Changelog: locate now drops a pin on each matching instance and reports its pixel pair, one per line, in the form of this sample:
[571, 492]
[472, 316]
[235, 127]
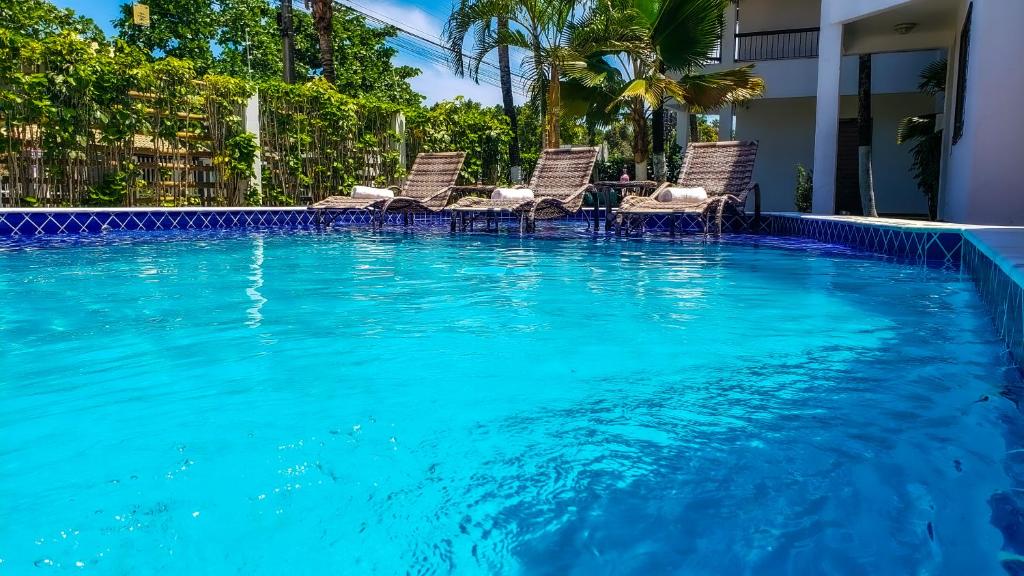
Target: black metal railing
[777, 44]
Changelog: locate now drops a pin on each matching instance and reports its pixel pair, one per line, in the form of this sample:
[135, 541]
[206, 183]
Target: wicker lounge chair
[723, 169]
[426, 189]
[560, 180]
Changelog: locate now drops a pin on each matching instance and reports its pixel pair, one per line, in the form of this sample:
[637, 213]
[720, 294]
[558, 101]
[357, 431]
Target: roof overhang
[911, 25]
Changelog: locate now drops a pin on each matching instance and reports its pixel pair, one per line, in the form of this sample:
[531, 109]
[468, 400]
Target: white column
[725, 123]
[252, 125]
[728, 50]
[683, 129]
[826, 129]
[398, 126]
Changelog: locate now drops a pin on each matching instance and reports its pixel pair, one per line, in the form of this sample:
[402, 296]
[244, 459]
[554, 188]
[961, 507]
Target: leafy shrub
[804, 189]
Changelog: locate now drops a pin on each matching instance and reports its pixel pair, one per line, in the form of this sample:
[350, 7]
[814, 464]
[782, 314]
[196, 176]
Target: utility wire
[417, 42]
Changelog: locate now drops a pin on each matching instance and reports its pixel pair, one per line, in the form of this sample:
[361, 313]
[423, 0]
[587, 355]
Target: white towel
[694, 195]
[371, 193]
[512, 194]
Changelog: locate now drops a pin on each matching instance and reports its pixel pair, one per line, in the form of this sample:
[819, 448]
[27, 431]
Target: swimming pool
[260, 402]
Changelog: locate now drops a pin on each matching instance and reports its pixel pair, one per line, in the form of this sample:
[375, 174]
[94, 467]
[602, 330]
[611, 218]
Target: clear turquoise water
[355, 403]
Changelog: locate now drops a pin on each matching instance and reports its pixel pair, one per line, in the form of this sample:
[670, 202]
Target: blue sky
[424, 16]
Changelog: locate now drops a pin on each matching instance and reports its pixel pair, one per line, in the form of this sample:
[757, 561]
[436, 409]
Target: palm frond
[933, 77]
[712, 90]
[916, 128]
[687, 31]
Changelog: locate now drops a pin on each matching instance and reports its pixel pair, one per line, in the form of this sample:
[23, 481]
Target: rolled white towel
[512, 194]
[371, 193]
[673, 194]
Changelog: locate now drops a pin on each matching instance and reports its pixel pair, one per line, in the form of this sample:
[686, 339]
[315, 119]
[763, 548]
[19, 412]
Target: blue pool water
[351, 403]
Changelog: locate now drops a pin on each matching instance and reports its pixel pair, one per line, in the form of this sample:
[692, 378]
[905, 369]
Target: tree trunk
[658, 142]
[864, 127]
[658, 136]
[323, 19]
[694, 129]
[641, 142]
[287, 40]
[514, 161]
[554, 96]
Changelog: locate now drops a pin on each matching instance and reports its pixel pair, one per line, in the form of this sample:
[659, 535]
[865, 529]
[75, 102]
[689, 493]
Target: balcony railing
[777, 44]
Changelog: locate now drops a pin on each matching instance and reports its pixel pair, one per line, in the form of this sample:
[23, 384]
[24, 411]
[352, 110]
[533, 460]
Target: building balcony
[776, 45]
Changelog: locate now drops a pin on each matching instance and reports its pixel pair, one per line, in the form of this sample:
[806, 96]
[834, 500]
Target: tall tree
[516, 170]
[323, 21]
[184, 29]
[864, 137]
[287, 41]
[634, 48]
[537, 26]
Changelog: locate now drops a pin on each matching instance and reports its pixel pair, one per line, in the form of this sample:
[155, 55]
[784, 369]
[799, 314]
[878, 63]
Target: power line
[434, 50]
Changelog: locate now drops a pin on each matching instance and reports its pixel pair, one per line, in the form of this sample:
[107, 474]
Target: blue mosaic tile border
[36, 222]
[938, 247]
[1002, 294]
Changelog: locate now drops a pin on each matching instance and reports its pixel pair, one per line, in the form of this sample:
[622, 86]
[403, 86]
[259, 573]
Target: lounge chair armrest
[438, 195]
[396, 189]
[576, 198]
[755, 189]
[654, 193]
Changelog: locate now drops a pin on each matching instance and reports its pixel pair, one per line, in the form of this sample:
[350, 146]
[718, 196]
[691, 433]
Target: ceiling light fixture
[904, 28]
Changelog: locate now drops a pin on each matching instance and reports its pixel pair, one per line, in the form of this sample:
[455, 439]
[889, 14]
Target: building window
[961, 75]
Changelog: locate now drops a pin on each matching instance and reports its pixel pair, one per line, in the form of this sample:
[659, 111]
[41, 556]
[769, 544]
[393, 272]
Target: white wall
[983, 183]
[761, 15]
[784, 128]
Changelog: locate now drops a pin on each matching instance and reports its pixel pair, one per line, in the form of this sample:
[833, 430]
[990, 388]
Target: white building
[806, 51]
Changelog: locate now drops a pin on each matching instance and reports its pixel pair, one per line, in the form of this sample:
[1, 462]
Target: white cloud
[438, 83]
[435, 81]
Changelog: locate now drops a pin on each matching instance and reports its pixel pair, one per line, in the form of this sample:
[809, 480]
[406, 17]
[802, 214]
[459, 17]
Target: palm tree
[323, 20]
[632, 48]
[287, 40]
[864, 128]
[926, 135]
[505, 71]
[537, 26]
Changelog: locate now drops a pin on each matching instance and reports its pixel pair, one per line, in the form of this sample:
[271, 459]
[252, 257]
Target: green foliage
[624, 50]
[804, 189]
[38, 19]
[111, 191]
[317, 141]
[707, 131]
[248, 44]
[926, 137]
[183, 29]
[239, 155]
[460, 124]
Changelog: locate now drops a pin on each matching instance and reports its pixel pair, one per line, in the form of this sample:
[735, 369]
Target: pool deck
[1003, 244]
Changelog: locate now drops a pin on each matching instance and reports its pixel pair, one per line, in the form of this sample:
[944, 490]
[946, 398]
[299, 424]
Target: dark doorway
[847, 170]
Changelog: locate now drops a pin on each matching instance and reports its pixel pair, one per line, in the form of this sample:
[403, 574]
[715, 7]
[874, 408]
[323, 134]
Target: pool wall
[994, 259]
